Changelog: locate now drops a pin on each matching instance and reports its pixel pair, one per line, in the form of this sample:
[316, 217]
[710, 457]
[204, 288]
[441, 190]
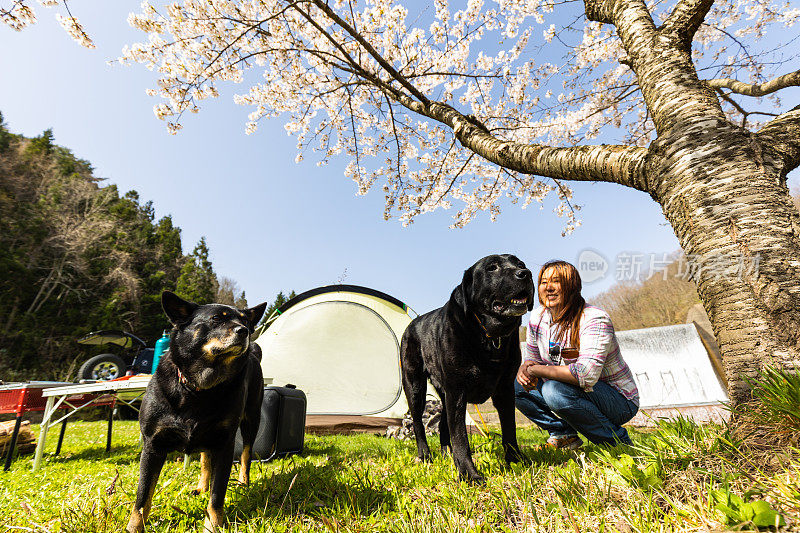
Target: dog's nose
[523, 273]
[241, 332]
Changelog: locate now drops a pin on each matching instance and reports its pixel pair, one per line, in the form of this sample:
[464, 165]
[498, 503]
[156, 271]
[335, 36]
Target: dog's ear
[178, 310]
[463, 292]
[254, 314]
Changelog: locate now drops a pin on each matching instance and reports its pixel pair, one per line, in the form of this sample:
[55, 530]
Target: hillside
[657, 301]
[77, 256]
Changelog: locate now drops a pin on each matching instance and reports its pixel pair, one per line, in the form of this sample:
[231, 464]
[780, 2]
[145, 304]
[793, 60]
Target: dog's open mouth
[514, 306]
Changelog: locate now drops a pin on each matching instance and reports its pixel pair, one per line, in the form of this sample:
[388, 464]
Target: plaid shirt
[598, 357]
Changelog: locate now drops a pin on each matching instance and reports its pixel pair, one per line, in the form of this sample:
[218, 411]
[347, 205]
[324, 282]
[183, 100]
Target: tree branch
[356, 67]
[600, 10]
[668, 79]
[617, 164]
[782, 135]
[739, 109]
[610, 163]
[370, 50]
[685, 20]
[757, 89]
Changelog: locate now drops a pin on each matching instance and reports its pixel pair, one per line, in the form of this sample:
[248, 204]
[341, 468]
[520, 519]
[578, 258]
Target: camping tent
[677, 373]
[340, 344]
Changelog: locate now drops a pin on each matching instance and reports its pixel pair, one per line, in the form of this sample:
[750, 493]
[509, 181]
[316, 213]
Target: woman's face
[550, 290]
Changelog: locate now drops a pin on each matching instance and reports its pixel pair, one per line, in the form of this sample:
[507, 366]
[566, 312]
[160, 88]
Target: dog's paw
[136, 522]
[516, 456]
[425, 457]
[473, 478]
[214, 519]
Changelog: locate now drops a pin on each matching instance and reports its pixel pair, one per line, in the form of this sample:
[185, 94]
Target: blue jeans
[599, 414]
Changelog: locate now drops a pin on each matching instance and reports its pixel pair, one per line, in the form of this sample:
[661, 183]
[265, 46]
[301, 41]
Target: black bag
[282, 428]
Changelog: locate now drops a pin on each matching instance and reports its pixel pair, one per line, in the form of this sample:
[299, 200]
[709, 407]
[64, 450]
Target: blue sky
[272, 224]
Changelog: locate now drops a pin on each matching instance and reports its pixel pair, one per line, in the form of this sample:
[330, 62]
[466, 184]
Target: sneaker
[567, 442]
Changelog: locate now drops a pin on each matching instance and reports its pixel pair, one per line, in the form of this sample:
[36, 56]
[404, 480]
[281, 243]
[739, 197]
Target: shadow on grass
[309, 489]
[534, 451]
[280, 490]
[285, 488]
[119, 455]
[541, 456]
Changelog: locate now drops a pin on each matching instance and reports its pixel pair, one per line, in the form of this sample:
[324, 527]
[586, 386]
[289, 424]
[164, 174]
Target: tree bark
[725, 196]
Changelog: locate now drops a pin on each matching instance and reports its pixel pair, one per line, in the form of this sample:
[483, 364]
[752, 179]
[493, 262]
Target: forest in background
[77, 256]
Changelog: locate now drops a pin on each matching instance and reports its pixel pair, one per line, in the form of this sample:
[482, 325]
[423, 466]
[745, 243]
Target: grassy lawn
[679, 477]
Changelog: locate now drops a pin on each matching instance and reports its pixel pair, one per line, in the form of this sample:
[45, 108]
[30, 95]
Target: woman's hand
[524, 377]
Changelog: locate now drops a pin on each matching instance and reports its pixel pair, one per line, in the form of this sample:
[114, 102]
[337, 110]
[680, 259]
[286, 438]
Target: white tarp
[342, 348]
[671, 366]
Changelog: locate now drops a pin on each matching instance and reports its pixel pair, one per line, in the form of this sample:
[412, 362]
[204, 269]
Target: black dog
[470, 351]
[207, 385]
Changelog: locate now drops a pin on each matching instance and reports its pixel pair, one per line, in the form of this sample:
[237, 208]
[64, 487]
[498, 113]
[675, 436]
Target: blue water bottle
[162, 345]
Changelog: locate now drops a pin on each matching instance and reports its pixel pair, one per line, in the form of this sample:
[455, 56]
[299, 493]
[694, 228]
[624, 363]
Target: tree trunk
[723, 190]
[725, 195]
[49, 283]
[11, 316]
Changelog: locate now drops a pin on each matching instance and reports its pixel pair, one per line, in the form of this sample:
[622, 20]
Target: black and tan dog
[470, 351]
[206, 386]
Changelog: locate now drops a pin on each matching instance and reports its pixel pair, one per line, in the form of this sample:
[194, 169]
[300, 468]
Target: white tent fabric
[672, 367]
[341, 346]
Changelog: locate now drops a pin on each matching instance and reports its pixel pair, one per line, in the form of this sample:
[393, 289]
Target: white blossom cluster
[20, 15]
[318, 74]
[75, 30]
[726, 45]
[346, 74]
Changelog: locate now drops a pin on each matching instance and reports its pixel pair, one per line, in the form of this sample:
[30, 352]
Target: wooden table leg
[61, 436]
[110, 426]
[48, 414]
[13, 444]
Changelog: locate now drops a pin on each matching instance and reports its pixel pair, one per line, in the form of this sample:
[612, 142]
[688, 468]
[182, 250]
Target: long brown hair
[569, 318]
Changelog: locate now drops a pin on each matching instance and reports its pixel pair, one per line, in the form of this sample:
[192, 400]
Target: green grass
[679, 477]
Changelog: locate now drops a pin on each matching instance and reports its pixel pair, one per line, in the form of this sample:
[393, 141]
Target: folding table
[73, 398]
[21, 398]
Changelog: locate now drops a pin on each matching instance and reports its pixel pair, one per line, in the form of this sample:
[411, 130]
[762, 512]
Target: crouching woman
[573, 379]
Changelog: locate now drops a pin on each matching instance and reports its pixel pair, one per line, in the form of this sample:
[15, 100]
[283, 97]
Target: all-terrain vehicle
[107, 366]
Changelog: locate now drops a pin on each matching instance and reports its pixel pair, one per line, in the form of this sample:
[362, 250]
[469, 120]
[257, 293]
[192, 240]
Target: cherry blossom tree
[468, 107]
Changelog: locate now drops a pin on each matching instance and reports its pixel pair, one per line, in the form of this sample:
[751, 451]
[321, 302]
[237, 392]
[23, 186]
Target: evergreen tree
[197, 281]
[241, 301]
[5, 136]
[280, 299]
[43, 144]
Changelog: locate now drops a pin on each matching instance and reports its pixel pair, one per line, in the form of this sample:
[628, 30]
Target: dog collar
[185, 382]
[495, 341]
